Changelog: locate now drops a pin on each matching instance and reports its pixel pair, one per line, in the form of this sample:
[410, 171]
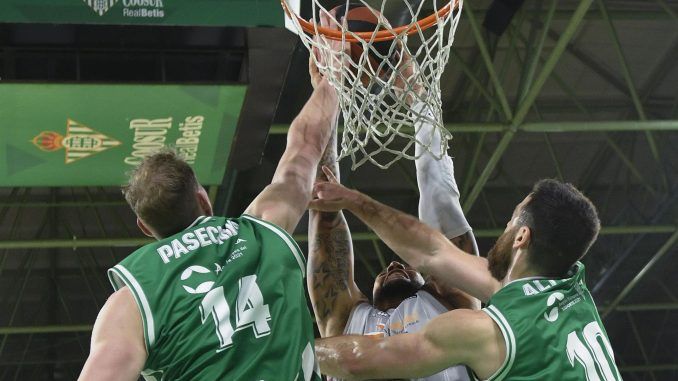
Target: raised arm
[330, 280]
[285, 200]
[421, 246]
[117, 352]
[456, 337]
[439, 205]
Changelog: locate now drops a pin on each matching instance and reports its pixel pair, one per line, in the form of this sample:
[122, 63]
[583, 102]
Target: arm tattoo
[331, 273]
[331, 253]
[329, 157]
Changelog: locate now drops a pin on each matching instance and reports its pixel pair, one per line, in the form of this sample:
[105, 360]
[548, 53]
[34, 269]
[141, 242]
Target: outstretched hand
[408, 79]
[331, 196]
[330, 60]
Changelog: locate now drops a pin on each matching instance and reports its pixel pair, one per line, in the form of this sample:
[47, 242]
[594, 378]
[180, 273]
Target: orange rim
[382, 35]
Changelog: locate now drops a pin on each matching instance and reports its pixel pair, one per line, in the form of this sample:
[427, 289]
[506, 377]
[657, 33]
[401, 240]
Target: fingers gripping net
[387, 79]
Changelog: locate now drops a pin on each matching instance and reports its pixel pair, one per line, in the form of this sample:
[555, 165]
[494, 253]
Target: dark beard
[499, 256]
[394, 292]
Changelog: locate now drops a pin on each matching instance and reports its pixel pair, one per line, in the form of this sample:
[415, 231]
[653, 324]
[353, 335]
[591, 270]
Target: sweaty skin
[456, 337]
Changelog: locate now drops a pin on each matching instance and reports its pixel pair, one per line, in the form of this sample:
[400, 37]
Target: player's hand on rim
[331, 60]
[316, 77]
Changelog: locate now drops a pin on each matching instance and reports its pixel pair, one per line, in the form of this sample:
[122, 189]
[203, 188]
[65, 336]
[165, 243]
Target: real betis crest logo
[80, 141]
[100, 6]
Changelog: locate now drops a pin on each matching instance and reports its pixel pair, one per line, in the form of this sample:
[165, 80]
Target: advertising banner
[87, 135]
[145, 12]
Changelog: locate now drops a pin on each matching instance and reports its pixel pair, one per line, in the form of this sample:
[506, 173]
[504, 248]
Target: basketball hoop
[388, 80]
[384, 35]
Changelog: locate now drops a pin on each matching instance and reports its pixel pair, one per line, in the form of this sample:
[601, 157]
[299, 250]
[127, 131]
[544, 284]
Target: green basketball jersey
[222, 300]
[552, 331]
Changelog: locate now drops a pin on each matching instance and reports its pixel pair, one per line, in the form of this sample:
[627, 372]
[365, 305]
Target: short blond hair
[162, 193]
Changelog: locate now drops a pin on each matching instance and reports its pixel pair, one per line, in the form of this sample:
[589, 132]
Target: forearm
[314, 125]
[307, 138]
[321, 108]
[359, 357]
[439, 204]
[338, 356]
[457, 337]
[424, 248]
[412, 240]
[365, 357]
[451, 296]
[285, 200]
[331, 285]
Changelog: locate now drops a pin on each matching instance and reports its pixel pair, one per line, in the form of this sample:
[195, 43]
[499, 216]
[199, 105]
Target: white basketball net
[383, 95]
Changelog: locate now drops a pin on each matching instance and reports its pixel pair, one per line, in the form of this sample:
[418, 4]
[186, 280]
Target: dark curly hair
[563, 225]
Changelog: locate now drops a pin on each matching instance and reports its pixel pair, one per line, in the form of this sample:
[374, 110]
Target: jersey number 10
[597, 360]
[250, 311]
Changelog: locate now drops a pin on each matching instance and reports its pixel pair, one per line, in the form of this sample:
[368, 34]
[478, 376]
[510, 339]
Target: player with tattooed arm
[402, 301]
[540, 322]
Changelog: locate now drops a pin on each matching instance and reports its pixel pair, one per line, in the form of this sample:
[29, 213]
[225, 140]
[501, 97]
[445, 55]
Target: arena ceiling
[584, 91]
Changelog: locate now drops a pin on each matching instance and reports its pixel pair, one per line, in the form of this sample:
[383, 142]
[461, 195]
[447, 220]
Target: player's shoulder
[121, 306]
[121, 297]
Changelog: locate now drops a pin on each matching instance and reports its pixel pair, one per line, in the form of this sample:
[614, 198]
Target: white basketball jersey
[410, 316]
[367, 320]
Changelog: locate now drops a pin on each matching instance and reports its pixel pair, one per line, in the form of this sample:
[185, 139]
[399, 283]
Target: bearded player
[215, 298]
[402, 301]
[540, 322]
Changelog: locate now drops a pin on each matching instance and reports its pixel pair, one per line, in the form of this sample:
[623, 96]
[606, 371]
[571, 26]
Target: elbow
[308, 135]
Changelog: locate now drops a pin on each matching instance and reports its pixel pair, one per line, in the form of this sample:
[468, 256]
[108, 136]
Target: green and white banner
[86, 135]
[145, 12]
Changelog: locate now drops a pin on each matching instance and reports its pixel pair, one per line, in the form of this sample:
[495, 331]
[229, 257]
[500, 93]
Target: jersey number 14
[250, 311]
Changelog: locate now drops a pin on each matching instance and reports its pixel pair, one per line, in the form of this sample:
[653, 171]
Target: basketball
[359, 18]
